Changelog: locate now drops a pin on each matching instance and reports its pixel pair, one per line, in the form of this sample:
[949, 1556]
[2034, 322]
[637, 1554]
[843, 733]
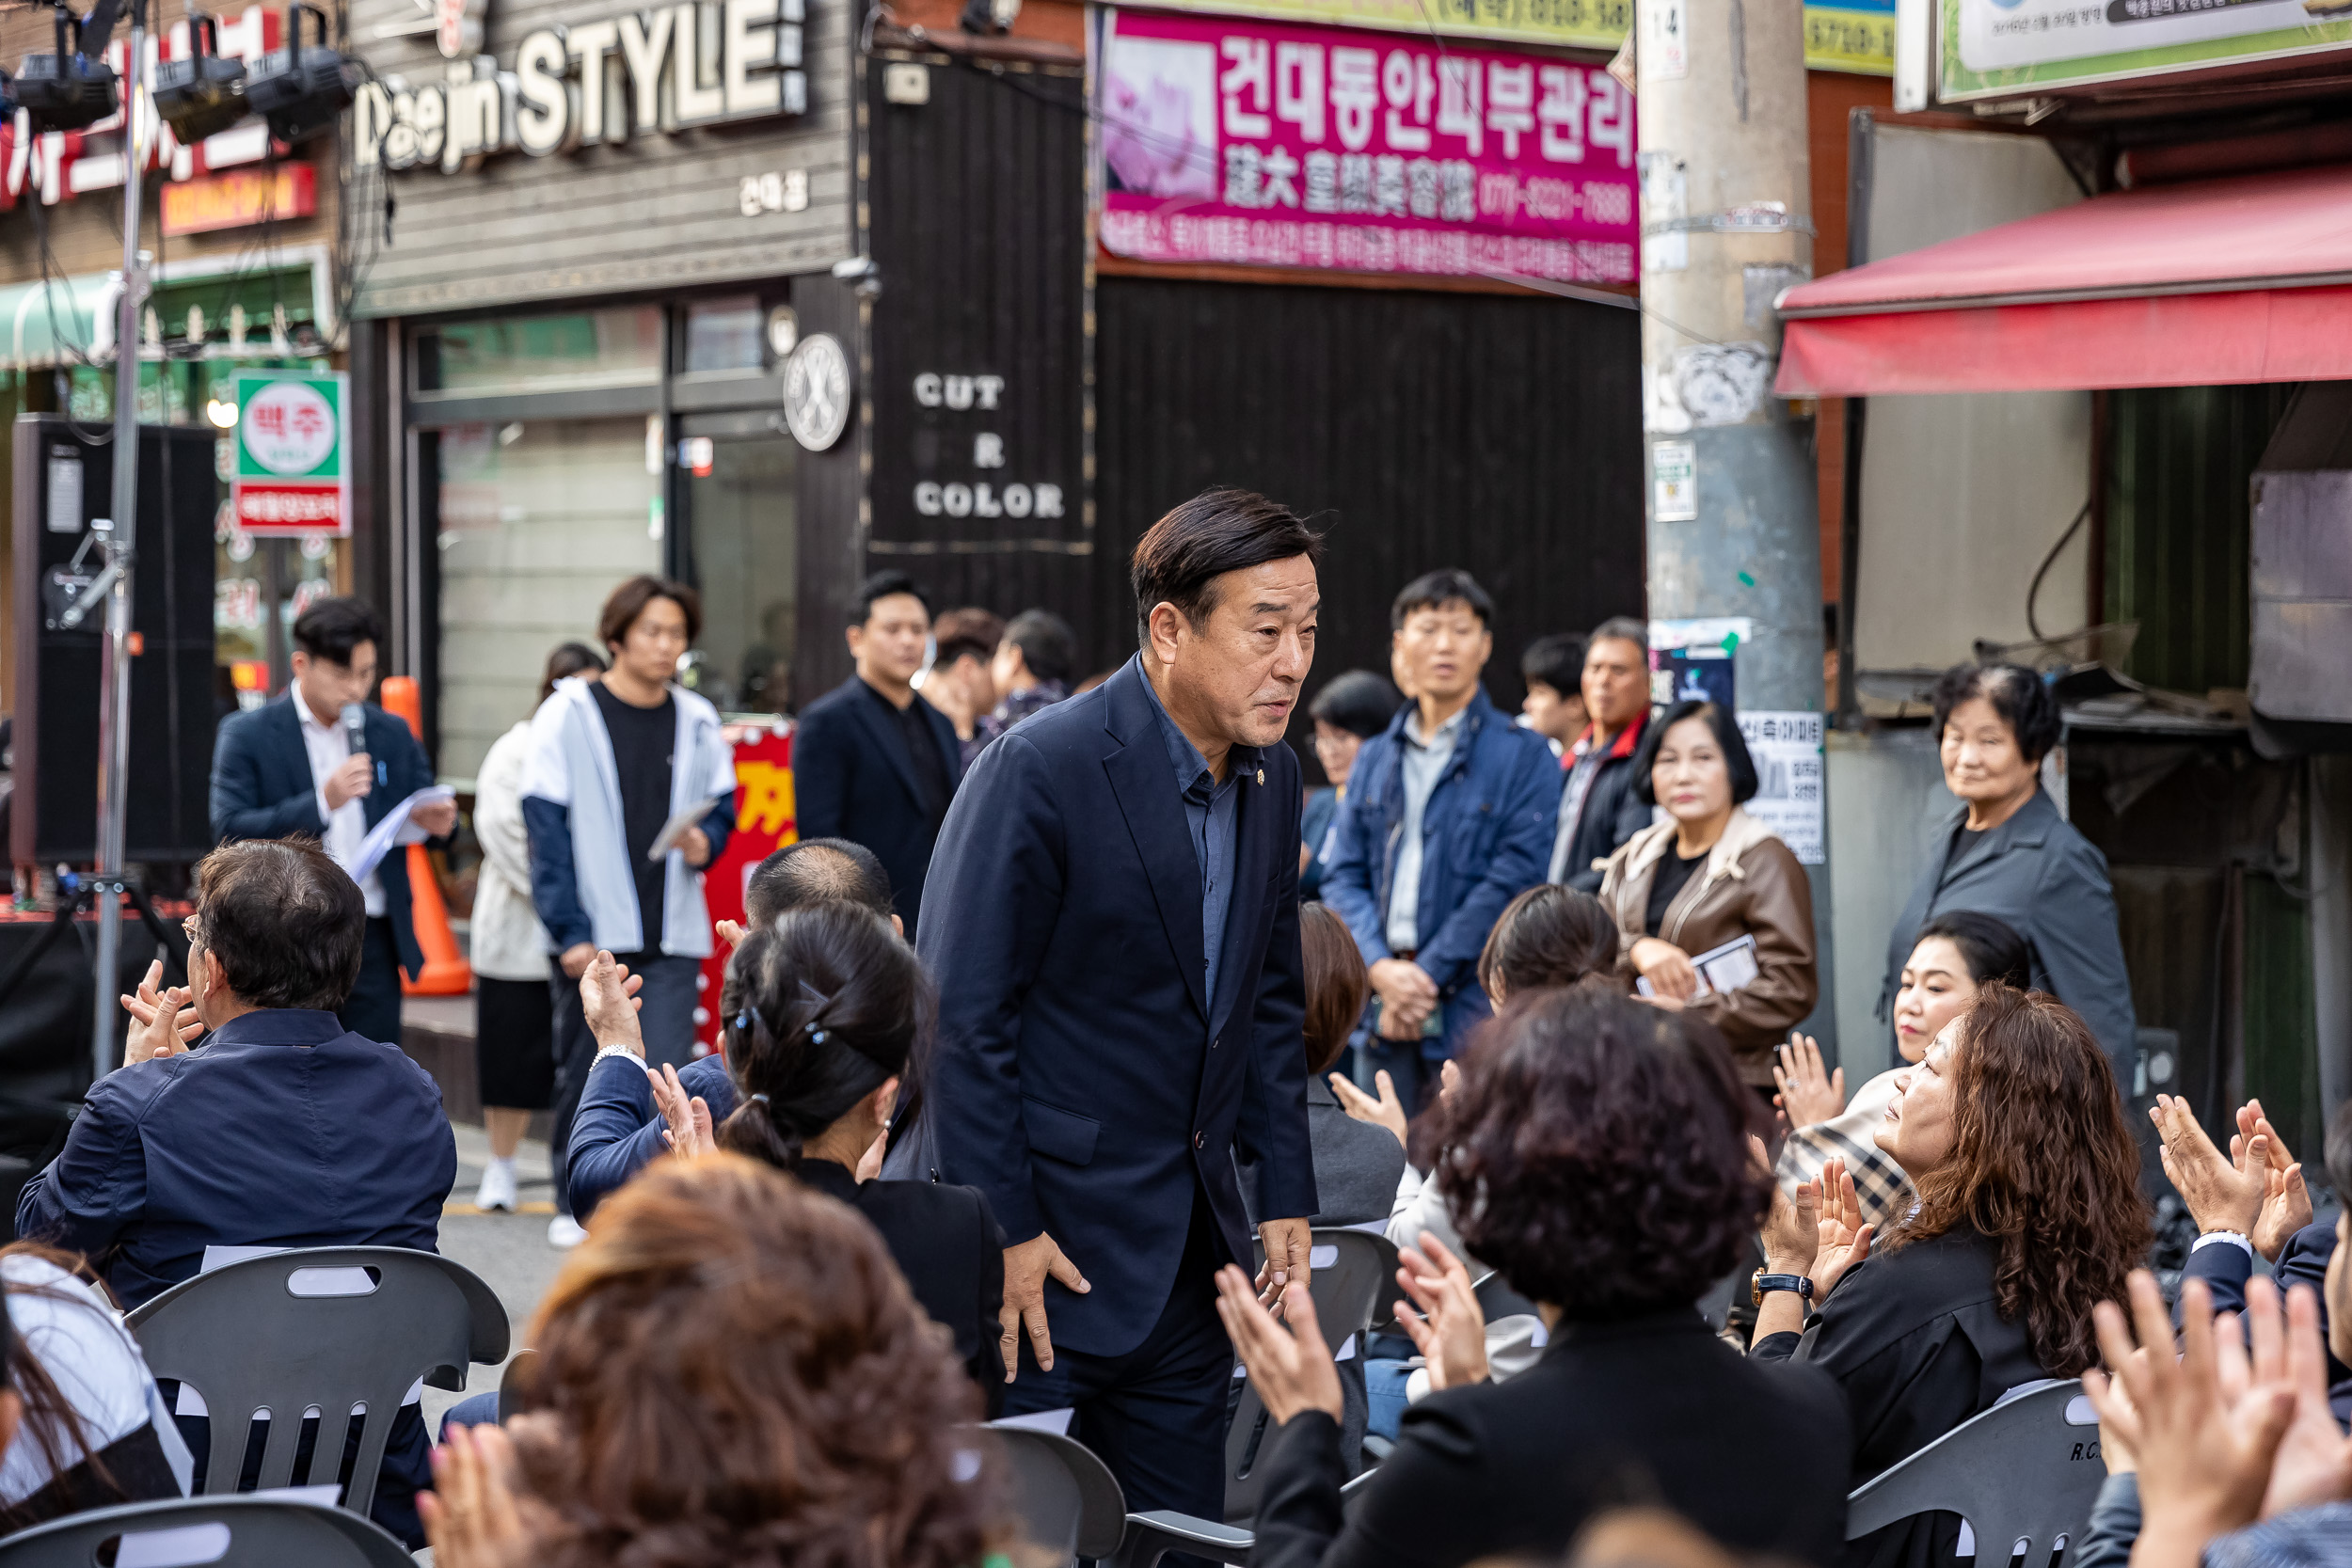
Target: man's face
[326, 686]
[1553, 714]
[1238, 673]
[889, 646]
[1617, 682]
[1443, 648]
[1009, 666]
[649, 649]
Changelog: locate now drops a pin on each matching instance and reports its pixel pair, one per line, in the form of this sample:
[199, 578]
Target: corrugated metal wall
[1492, 433]
[2178, 462]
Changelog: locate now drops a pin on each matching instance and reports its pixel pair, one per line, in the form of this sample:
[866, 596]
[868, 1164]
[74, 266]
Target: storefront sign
[246, 196]
[294, 429]
[1311, 147]
[1849, 35]
[635, 75]
[2001, 48]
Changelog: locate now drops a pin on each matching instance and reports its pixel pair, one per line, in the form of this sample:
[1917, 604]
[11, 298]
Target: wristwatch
[1764, 1283]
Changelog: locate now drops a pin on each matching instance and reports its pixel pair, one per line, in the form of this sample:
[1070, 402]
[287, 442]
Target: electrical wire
[2034, 592]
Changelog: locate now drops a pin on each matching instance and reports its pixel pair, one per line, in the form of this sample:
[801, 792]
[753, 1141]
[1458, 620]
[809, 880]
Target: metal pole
[113, 686]
[1734, 521]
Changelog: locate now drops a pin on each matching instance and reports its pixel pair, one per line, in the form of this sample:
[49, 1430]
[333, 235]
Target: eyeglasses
[190, 929]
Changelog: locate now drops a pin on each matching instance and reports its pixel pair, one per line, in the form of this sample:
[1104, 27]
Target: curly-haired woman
[2029, 1212]
[1596, 1151]
[730, 1371]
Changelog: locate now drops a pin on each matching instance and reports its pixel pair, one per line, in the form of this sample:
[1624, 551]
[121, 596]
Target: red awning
[2191, 285]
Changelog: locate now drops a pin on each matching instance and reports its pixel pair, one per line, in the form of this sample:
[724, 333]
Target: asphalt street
[509, 1251]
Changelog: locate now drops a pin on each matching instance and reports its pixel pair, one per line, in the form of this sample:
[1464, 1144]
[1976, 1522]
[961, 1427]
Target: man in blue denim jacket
[1450, 814]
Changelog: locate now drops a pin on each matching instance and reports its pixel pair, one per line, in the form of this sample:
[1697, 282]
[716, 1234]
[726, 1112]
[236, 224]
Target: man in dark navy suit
[289, 768]
[280, 1128]
[1114, 929]
[871, 762]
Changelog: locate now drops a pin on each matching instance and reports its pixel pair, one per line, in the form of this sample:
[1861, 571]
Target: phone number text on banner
[1243, 141]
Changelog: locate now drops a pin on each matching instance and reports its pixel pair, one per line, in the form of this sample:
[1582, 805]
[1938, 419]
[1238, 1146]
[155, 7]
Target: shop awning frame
[2217, 282]
[70, 320]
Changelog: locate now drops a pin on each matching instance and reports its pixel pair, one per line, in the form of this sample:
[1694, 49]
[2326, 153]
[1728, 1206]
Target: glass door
[741, 547]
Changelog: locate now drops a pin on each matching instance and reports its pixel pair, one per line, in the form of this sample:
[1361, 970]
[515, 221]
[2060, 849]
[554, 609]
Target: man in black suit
[1114, 933]
[871, 763]
[289, 768]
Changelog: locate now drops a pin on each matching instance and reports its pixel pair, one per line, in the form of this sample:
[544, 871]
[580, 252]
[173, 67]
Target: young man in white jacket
[612, 763]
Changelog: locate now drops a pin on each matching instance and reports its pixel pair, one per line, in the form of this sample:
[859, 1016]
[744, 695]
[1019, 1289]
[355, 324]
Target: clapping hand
[1289, 1364]
[2221, 1194]
[1807, 1095]
[471, 1516]
[2286, 1202]
[1819, 1231]
[1388, 1111]
[730, 931]
[163, 1022]
[686, 1118]
[2283, 1348]
[1450, 1330]
[609, 1003]
[2204, 1452]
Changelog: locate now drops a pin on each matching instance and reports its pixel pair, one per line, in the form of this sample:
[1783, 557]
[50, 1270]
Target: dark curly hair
[2042, 1162]
[1596, 1154]
[731, 1371]
[1550, 934]
[2016, 693]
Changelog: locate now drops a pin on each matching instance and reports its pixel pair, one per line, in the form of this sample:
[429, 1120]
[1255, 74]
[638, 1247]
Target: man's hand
[355, 780]
[1290, 1246]
[2286, 1202]
[577, 958]
[435, 818]
[164, 1022]
[695, 846]
[609, 1003]
[2221, 1196]
[1388, 1111]
[686, 1118]
[1291, 1367]
[1026, 1267]
[1406, 995]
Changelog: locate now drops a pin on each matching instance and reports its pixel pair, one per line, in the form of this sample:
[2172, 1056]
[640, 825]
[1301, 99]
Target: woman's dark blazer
[2039, 874]
[951, 1250]
[1916, 1342]
[1653, 1410]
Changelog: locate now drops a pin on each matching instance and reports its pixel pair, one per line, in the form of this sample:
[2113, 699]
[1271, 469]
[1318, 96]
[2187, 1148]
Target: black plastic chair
[1154, 1535]
[1354, 1279]
[233, 1532]
[1068, 1501]
[2022, 1474]
[323, 1327]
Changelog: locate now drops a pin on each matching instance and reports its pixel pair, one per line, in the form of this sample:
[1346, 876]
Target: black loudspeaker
[64, 478]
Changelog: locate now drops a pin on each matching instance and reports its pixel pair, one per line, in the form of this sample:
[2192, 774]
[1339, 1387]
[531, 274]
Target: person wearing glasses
[614, 762]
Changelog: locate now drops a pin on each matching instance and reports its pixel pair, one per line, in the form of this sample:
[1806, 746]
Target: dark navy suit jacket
[2225, 1267]
[616, 1132]
[1081, 1082]
[853, 778]
[280, 1130]
[261, 788]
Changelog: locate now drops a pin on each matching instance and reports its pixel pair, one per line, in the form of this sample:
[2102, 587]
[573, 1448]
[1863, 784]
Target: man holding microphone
[324, 761]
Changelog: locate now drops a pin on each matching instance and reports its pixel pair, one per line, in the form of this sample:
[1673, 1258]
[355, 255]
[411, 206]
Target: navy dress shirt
[1209, 818]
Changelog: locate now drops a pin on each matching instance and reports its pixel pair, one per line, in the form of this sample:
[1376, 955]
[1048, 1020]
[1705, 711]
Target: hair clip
[761, 1098]
[743, 1020]
[818, 1037]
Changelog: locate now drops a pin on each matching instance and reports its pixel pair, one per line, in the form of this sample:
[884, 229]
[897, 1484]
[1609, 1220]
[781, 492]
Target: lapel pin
[1262, 775]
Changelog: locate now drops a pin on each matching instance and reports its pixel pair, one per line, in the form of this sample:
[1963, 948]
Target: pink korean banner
[1253, 142]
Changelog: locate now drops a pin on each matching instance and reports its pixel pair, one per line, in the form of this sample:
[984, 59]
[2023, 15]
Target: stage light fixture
[205, 94]
[68, 90]
[302, 92]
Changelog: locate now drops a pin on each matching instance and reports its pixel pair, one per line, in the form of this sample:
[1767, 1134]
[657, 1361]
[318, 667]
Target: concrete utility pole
[1734, 519]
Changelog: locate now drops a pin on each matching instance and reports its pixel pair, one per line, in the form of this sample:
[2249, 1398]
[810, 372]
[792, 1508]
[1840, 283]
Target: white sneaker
[498, 1187]
[566, 1232]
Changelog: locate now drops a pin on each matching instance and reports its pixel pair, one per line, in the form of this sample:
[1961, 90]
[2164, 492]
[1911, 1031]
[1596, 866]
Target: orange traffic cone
[446, 972]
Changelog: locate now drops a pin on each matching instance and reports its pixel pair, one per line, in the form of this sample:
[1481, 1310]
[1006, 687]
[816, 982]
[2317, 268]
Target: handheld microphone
[355, 720]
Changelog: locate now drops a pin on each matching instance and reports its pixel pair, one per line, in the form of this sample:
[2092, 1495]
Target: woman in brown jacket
[1709, 875]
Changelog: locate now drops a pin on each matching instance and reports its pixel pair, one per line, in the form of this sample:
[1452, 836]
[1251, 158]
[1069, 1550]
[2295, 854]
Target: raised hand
[1450, 1330]
[609, 1003]
[1807, 1095]
[1844, 1241]
[2315, 1460]
[2221, 1194]
[471, 1517]
[1388, 1111]
[686, 1118]
[1289, 1364]
[2286, 1202]
[164, 1022]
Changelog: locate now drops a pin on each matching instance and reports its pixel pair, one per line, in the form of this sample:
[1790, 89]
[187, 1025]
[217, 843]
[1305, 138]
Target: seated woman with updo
[827, 1006]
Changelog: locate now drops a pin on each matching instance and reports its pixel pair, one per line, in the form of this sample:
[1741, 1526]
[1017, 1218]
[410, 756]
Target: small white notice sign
[1674, 468]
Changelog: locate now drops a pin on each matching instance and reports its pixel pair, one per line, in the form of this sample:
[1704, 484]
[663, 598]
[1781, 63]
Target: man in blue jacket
[280, 1128]
[1448, 816]
[1113, 926]
[290, 768]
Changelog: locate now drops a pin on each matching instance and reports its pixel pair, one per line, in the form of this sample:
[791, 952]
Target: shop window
[744, 543]
[619, 347]
[537, 522]
[726, 334]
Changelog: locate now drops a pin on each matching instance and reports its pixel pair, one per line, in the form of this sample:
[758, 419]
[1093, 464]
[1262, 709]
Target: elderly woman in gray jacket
[2007, 853]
